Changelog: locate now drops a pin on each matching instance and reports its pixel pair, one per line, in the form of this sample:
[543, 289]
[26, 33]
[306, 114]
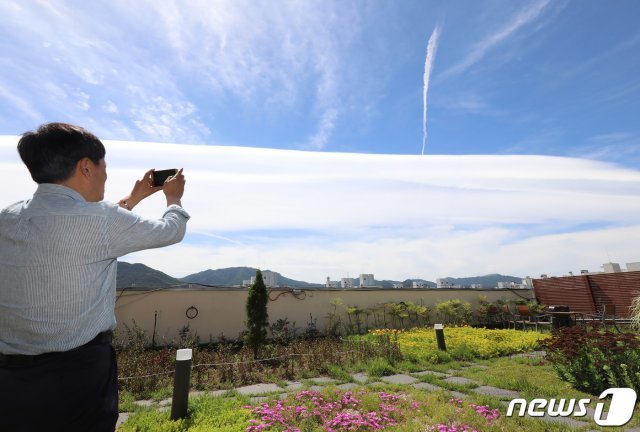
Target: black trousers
[75, 390]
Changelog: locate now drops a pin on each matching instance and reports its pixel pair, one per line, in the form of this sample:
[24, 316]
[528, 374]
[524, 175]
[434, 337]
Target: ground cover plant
[593, 359]
[463, 343]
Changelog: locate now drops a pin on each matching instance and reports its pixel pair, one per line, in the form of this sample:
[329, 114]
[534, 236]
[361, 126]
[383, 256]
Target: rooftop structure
[588, 293]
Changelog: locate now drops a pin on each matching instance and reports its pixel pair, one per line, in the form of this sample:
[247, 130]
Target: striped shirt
[58, 266]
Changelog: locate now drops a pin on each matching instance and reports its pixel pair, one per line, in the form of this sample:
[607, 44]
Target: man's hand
[173, 188]
[142, 189]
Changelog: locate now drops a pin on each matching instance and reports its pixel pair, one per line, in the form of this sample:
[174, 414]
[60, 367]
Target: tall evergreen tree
[257, 317]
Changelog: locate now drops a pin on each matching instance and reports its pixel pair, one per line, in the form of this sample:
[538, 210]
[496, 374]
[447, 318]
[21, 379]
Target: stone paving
[440, 381]
[399, 379]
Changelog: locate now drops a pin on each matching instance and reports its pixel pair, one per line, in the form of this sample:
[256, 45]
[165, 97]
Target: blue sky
[341, 85]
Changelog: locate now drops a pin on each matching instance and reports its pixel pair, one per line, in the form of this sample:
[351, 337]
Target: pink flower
[455, 401]
[486, 412]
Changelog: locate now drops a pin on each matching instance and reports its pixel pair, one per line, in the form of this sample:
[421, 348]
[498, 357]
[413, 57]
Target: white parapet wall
[212, 313]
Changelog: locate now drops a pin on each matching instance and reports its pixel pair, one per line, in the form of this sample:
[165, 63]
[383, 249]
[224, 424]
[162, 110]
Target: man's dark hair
[52, 152]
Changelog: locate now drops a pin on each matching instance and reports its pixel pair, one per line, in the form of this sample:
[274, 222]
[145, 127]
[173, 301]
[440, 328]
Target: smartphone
[159, 177]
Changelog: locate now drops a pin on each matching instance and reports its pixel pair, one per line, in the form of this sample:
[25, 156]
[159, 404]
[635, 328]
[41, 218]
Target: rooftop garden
[443, 391]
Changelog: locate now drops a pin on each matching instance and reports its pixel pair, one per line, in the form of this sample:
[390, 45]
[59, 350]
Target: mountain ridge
[137, 275]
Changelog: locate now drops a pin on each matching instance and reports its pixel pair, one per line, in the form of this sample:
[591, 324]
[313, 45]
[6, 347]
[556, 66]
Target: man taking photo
[58, 260]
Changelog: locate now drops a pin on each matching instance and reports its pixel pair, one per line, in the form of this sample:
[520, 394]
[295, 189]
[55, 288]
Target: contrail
[432, 47]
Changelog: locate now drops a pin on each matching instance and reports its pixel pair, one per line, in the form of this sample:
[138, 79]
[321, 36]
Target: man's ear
[84, 168]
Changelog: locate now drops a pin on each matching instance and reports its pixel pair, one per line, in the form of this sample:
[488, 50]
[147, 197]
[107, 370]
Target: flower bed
[337, 411]
[363, 411]
[463, 343]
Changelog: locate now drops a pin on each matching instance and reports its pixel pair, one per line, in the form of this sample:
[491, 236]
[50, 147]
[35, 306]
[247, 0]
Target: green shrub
[454, 312]
[257, 316]
[133, 338]
[187, 338]
[282, 331]
[334, 318]
[418, 313]
[592, 359]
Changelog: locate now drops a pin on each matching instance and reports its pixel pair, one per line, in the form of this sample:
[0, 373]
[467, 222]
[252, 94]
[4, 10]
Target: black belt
[9, 360]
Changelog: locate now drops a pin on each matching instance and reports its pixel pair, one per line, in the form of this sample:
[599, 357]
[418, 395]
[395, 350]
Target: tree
[257, 317]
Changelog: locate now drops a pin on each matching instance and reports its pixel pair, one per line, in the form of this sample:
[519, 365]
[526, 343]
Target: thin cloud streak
[432, 47]
[21, 103]
[482, 48]
[73, 68]
[325, 128]
[248, 55]
[267, 58]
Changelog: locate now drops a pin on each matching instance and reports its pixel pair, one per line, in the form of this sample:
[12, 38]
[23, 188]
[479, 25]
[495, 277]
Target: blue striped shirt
[58, 266]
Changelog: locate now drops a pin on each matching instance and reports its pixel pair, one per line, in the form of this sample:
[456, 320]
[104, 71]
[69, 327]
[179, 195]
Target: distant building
[443, 283]
[270, 279]
[346, 283]
[476, 286]
[611, 268]
[419, 284]
[506, 284]
[331, 284]
[398, 285]
[366, 280]
[634, 266]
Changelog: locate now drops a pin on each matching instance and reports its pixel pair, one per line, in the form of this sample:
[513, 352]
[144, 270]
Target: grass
[531, 377]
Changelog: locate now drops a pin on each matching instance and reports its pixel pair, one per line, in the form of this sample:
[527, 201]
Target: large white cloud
[309, 214]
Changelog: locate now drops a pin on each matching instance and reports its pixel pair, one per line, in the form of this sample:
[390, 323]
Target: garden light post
[180, 401]
[440, 337]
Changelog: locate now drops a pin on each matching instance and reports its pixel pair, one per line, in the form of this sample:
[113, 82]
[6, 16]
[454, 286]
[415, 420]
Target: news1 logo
[623, 401]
